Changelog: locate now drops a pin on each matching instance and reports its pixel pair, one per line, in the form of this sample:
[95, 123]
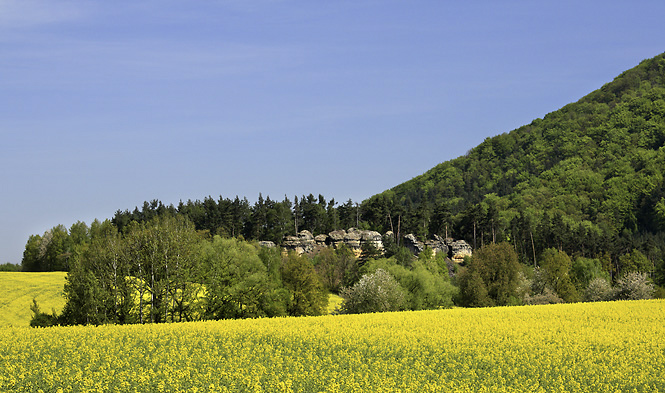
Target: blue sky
[106, 104]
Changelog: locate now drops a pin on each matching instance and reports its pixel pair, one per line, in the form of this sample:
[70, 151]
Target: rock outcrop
[266, 243]
[371, 237]
[459, 249]
[320, 240]
[354, 238]
[412, 243]
[304, 242]
[438, 245]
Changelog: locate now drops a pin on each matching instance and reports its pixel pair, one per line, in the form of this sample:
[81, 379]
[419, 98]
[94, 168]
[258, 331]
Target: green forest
[570, 207]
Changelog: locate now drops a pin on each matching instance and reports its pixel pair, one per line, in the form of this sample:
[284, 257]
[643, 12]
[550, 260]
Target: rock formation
[266, 243]
[459, 250]
[438, 245]
[302, 243]
[412, 243]
[354, 239]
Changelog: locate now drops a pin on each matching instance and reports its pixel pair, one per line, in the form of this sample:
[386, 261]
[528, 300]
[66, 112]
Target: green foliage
[404, 257]
[375, 292]
[425, 288]
[272, 260]
[492, 277]
[236, 281]
[585, 270]
[85, 297]
[473, 291]
[163, 271]
[54, 250]
[586, 179]
[307, 295]
[31, 255]
[659, 293]
[337, 267]
[636, 261]
[556, 266]
[390, 247]
[42, 319]
[9, 267]
[659, 209]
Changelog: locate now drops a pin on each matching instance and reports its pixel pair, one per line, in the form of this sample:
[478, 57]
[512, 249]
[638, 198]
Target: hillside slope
[19, 288]
[587, 178]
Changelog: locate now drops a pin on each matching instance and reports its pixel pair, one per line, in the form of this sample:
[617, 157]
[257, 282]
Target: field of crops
[604, 347]
[17, 289]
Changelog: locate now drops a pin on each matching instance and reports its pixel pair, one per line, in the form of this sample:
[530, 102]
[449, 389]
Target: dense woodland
[586, 179]
[576, 196]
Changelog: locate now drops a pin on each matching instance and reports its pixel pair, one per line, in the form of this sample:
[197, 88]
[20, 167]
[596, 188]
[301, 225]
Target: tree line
[266, 219]
[165, 270]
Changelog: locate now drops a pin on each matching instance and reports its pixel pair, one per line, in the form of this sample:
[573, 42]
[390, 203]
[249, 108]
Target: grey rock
[320, 240]
[371, 237]
[352, 238]
[438, 245]
[266, 243]
[460, 249]
[302, 243]
[336, 238]
[412, 243]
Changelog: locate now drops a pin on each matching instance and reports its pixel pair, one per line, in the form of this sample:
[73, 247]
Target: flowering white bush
[599, 290]
[634, 286]
[377, 292]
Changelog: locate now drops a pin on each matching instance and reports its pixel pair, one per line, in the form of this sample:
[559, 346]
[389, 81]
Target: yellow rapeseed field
[17, 289]
[586, 347]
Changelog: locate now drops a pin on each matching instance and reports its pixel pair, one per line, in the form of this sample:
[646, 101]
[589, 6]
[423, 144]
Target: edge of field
[17, 289]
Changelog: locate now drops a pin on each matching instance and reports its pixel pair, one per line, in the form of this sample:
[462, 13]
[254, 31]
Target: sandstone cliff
[304, 243]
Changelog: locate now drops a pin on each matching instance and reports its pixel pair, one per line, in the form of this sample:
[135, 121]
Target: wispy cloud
[31, 13]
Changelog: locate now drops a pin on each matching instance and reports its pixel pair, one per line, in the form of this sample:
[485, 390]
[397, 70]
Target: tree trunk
[533, 247]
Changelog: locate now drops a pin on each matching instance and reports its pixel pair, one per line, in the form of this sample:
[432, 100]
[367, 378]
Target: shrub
[634, 286]
[376, 292]
[547, 296]
[598, 290]
[473, 292]
[42, 319]
[659, 293]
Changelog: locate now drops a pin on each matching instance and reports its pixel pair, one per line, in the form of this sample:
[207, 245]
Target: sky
[106, 104]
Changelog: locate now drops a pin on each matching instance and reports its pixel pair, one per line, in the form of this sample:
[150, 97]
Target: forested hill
[587, 178]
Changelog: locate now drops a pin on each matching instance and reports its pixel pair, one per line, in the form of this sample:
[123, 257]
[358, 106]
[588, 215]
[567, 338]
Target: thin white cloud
[31, 13]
